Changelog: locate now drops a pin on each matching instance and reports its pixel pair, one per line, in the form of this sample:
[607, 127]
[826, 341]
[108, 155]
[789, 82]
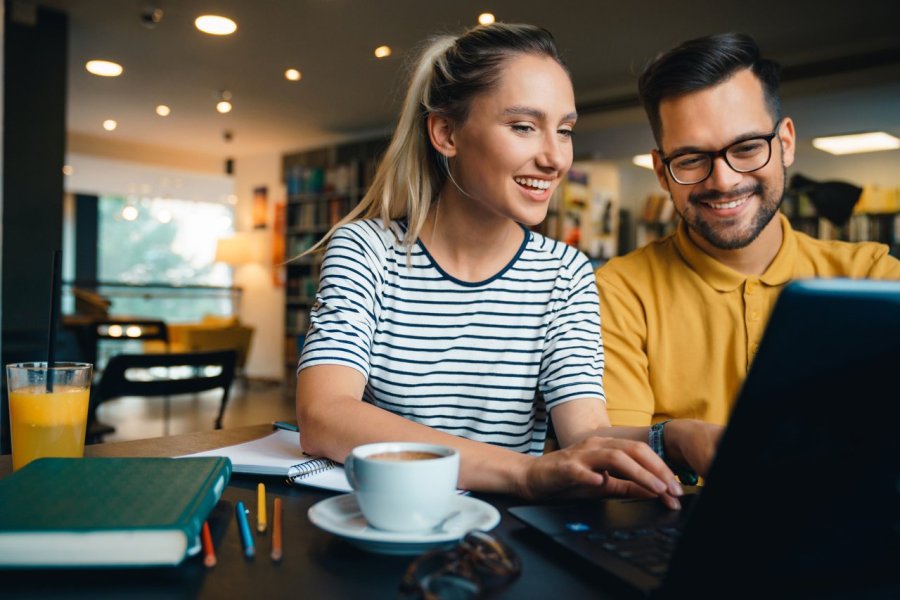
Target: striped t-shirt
[486, 360]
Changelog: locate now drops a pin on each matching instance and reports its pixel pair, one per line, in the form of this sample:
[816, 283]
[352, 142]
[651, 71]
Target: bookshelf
[656, 220]
[322, 185]
[584, 211]
[875, 218]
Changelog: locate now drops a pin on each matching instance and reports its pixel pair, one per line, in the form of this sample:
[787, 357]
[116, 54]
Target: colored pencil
[244, 529]
[276, 531]
[209, 552]
[261, 524]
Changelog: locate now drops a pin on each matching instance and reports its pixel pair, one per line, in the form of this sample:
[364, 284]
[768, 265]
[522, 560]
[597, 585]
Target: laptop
[803, 498]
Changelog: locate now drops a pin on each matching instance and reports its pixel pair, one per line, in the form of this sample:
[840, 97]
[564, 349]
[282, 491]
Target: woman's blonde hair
[448, 74]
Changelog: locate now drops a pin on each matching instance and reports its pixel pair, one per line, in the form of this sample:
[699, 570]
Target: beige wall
[107, 147]
[262, 306]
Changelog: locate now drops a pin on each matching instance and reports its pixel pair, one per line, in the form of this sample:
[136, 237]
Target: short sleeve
[572, 362]
[342, 320]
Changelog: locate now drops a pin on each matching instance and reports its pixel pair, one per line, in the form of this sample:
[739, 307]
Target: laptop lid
[804, 494]
[803, 497]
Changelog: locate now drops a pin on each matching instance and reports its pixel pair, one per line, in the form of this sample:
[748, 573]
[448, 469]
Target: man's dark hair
[702, 63]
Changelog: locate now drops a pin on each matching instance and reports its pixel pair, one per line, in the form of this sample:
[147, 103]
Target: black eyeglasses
[745, 156]
[478, 565]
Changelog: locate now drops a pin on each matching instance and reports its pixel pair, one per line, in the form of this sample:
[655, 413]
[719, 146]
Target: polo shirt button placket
[752, 318]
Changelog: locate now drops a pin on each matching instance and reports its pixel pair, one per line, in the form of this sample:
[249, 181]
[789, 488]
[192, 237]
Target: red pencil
[276, 531]
[209, 553]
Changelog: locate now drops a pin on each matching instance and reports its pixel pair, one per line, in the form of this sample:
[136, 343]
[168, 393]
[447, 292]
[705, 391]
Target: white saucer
[341, 516]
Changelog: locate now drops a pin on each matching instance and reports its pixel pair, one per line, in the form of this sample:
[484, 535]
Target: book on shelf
[280, 453]
[102, 512]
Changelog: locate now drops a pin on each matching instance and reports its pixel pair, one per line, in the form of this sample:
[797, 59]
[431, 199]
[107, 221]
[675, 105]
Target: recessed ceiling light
[163, 110]
[857, 143]
[486, 18]
[110, 125]
[643, 160]
[382, 51]
[292, 75]
[224, 106]
[103, 68]
[215, 25]
[68, 170]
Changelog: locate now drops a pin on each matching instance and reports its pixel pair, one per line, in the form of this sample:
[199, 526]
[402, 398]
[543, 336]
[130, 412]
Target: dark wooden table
[316, 564]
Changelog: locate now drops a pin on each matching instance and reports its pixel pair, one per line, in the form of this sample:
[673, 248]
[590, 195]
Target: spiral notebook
[279, 453]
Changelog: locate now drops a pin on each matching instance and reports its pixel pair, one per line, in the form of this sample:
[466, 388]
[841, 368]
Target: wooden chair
[118, 380]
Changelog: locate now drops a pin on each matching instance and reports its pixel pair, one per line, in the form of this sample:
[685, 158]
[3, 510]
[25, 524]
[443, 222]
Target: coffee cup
[403, 486]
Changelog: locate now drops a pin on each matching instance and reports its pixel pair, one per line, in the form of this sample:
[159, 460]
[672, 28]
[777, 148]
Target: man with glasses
[682, 317]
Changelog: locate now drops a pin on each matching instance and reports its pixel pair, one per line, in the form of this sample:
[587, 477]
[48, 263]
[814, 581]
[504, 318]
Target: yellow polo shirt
[680, 328]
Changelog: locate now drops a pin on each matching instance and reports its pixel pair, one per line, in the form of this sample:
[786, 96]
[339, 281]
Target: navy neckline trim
[499, 274]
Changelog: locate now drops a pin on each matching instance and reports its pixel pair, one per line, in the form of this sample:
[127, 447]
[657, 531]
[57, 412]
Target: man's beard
[722, 236]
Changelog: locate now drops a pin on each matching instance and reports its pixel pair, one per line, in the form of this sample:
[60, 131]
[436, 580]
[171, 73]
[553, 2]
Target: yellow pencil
[261, 508]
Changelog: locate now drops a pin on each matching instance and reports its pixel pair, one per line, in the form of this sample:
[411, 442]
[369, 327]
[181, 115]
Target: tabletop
[316, 564]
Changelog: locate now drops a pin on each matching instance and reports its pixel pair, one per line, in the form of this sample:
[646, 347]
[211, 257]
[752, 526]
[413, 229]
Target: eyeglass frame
[465, 562]
[713, 155]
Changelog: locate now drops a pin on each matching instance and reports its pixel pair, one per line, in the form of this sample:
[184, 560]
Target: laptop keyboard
[647, 548]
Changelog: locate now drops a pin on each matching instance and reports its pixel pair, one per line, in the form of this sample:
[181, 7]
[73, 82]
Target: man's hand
[692, 443]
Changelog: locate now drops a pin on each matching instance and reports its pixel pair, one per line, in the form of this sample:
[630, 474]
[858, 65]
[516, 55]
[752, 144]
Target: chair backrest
[115, 382]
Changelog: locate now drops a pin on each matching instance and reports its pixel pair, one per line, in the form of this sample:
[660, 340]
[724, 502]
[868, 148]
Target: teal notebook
[77, 512]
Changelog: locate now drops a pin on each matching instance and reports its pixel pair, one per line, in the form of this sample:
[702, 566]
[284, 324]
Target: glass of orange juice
[47, 410]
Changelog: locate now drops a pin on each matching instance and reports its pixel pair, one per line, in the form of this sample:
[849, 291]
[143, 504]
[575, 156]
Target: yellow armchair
[212, 333]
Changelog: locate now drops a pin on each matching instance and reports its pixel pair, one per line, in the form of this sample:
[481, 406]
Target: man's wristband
[657, 443]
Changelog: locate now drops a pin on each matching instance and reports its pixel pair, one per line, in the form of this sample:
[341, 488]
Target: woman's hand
[601, 466]
[692, 443]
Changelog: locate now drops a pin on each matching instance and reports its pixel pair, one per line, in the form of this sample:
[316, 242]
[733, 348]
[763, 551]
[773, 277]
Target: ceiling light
[163, 110]
[223, 101]
[215, 25]
[486, 18]
[164, 216]
[110, 125]
[130, 213]
[643, 160]
[103, 68]
[68, 170]
[292, 75]
[382, 51]
[857, 143]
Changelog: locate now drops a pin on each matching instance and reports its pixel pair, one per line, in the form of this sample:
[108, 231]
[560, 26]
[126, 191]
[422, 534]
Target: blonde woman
[440, 316]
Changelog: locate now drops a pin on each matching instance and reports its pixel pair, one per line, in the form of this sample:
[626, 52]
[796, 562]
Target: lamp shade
[235, 250]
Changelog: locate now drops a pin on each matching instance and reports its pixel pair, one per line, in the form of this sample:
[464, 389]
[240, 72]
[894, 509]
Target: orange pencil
[209, 553]
[276, 531]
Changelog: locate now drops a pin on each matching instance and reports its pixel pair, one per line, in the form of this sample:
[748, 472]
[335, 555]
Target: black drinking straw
[55, 285]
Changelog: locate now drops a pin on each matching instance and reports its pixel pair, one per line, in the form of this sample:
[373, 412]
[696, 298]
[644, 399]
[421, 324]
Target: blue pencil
[244, 528]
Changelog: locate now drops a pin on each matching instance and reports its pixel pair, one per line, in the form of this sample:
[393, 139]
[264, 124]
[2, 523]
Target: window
[168, 243]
